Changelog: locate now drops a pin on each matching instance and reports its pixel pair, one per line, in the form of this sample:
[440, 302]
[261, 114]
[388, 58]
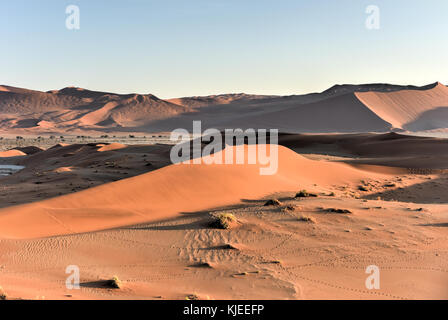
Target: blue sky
[174, 48]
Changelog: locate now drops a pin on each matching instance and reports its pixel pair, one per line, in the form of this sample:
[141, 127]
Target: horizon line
[225, 93]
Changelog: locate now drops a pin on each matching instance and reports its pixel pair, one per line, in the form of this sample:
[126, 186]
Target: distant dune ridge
[341, 108]
[410, 109]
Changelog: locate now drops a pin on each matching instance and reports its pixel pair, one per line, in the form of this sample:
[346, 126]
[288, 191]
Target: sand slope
[410, 109]
[78, 109]
[341, 108]
[165, 193]
[12, 153]
[343, 113]
[296, 250]
[389, 149]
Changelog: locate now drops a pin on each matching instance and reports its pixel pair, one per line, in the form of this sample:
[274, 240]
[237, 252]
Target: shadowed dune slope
[369, 144]
[344, 113]
[167, 192]
[410, 109]
[390, 149]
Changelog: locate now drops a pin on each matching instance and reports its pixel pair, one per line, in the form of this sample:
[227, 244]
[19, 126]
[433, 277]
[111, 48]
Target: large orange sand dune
[166, 192]
[414, 110]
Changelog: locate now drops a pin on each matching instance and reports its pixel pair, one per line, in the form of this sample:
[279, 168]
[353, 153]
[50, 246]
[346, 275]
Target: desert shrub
[115, 283]
[305, 194]
[224, 221]
[306, 219]
[3, 294]
[202, 265]
[273, 202]
[334, 210]
[290, 208]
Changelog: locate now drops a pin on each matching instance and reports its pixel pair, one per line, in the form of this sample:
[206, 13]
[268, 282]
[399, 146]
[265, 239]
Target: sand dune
[410, 109]
[78, 109]
[138, 110]
[29, 149]
[303, 248]
[112, 146]
[390, 149]
[117, 209]
[343, 113]
[12, 153]
[18, 101]
[41, 176]
[98, 115]
[165, 193]
[338, 109]
[341, 108]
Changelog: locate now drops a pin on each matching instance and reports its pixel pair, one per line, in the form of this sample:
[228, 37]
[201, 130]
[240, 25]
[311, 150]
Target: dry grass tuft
[202, 265]
[228, 246]
[290, 208]
[305, 194]
[3, 295]
[273, 202]
[224, 221]
[306, 219]
[115, 283]
[341, 211]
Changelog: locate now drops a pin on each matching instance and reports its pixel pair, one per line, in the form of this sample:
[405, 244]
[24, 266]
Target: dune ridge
[12, 153]
[404, 108]
[167, 192]
[341, 108]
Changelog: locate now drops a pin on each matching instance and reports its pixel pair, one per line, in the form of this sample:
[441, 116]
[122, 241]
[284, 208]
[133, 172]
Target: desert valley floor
[116, 209]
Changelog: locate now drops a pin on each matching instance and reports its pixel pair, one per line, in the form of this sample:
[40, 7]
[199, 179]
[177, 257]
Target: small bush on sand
[115, 283]
[202, 265]
[3, 294]
[224, 221]
[227, 246]
[306, 219]
[334, 210]
[390, 185]
[290, 208]
[273, 202]
[305, 194]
